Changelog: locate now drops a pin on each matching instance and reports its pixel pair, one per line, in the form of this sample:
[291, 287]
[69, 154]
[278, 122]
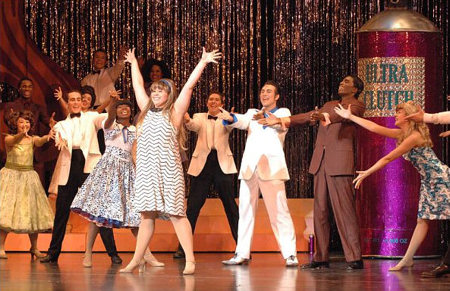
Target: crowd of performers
[133, 174]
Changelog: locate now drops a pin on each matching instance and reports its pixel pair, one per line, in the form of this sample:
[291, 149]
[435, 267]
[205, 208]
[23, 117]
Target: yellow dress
[24, 207]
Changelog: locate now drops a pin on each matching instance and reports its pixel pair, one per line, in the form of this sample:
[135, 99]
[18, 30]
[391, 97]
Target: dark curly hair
[91, 91]
[147, 68]
[14, 116]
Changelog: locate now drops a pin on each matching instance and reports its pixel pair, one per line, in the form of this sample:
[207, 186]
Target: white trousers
[274, 195]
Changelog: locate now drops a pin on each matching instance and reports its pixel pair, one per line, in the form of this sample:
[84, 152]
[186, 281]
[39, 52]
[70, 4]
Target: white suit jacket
[199, 123]
[90, 122]
[264, 153]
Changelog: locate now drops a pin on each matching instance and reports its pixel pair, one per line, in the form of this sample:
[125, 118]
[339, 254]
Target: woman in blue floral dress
[414, 144]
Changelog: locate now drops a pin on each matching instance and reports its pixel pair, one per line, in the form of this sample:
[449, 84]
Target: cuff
[226, 122]
[327, 119]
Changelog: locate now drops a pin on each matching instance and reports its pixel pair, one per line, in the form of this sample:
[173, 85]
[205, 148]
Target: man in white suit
[264, 169]
[212, 163]
[76, 138]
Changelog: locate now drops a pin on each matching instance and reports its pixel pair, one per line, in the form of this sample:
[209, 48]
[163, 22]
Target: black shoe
[315, 265]
[179, 254]
[49, 259]
[115, 259]
[355, 265]
[439, 271]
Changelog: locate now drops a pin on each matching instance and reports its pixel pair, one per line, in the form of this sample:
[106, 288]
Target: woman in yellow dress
[24, 207]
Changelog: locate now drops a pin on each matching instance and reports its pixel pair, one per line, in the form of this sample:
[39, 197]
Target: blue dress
[106, 197]
[434, 202]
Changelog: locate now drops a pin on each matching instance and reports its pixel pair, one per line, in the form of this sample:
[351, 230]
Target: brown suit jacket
[335, 142]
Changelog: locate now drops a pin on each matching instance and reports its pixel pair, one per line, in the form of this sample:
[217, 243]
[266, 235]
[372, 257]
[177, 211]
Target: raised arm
[142, 98]
[11, 140]
[415, 139]
[113, 95]
[58, 93]
[192, 124]
[183, 101]
[367, 124]
[112, 113]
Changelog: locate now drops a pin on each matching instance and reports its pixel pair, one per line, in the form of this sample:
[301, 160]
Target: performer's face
[86, 101]
[268, 96]
[159, 97]
[23, 125]
[123, 111]
[155, 73]
[400, 115]
[74, 102]
[346, 87]
[99, 60]
[26, 89]
[214, 102]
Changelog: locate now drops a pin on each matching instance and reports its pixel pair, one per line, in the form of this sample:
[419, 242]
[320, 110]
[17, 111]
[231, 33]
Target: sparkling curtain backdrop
[307, 46]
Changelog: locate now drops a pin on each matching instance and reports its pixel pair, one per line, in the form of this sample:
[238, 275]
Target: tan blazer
[264, 149]
[199, 124]
[90, 123]
[335, 142]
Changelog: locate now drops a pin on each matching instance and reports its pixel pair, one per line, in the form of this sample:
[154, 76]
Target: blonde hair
[411, 108]
[168, 86]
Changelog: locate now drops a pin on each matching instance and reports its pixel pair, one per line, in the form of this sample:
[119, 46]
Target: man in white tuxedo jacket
[212, 163]
[76, 138]
[264, 169]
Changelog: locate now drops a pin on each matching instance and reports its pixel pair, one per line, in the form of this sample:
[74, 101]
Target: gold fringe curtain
[307, 46]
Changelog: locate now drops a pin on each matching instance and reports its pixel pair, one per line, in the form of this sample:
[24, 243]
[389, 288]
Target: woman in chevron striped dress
[159, 173]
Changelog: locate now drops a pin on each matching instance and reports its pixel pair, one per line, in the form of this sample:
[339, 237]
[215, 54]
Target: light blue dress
[434, 202]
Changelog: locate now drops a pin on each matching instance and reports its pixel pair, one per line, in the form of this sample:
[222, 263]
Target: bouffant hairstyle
[14, 116]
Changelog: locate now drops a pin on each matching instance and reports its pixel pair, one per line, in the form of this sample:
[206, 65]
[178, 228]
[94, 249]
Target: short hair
[358, 84]
[23, 79]
[273, 83]
[147, 67]
[222, 96]
[72, 90]
[14, 117]
[99, 50]
[89, 90]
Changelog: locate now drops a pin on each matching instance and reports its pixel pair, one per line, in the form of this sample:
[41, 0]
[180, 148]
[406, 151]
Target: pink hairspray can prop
[399, 59]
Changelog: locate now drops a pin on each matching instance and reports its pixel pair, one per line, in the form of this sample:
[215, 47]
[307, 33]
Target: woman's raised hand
[130, 57]
[211, 57]
[342, 112]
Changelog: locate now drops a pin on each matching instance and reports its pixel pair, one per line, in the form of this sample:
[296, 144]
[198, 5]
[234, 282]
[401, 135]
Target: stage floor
[266, 271]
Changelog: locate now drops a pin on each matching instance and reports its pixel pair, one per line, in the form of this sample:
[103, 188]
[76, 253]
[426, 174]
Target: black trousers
[66, 194]
[223, 183]
[447, 255]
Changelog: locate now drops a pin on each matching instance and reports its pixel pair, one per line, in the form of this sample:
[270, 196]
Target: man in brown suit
[332, 165]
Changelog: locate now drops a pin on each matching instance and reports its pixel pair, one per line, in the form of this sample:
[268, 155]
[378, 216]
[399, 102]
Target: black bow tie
[73, 115]
[95, 72]
[155, 109]
[212, 117]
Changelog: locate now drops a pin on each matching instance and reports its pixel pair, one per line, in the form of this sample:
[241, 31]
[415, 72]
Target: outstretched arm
[41, 140]
[137, 80]
[415, 139]
[367, 124]
[184, 99]
[112, 113]
[59, 96]
[11, 140]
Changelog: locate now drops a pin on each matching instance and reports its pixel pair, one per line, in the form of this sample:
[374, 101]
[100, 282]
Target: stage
[266, 271]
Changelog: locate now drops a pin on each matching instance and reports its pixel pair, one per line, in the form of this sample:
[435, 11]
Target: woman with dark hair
[105, 198]
[154, 70]
[24, 207]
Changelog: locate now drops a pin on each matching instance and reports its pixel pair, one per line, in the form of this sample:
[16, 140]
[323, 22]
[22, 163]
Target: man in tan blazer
[212, 163]
[76, 138]
[263, 168]
[333, 167]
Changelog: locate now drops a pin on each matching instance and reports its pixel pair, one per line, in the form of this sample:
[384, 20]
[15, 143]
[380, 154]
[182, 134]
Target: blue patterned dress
[107, 195]
[434, 202]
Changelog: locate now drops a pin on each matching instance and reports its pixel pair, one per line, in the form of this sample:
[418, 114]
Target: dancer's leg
[184, 233]
[146, 229]
[416, 240]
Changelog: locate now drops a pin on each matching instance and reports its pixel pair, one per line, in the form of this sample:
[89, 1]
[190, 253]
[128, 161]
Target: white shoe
[236, 260]
[292, 261]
